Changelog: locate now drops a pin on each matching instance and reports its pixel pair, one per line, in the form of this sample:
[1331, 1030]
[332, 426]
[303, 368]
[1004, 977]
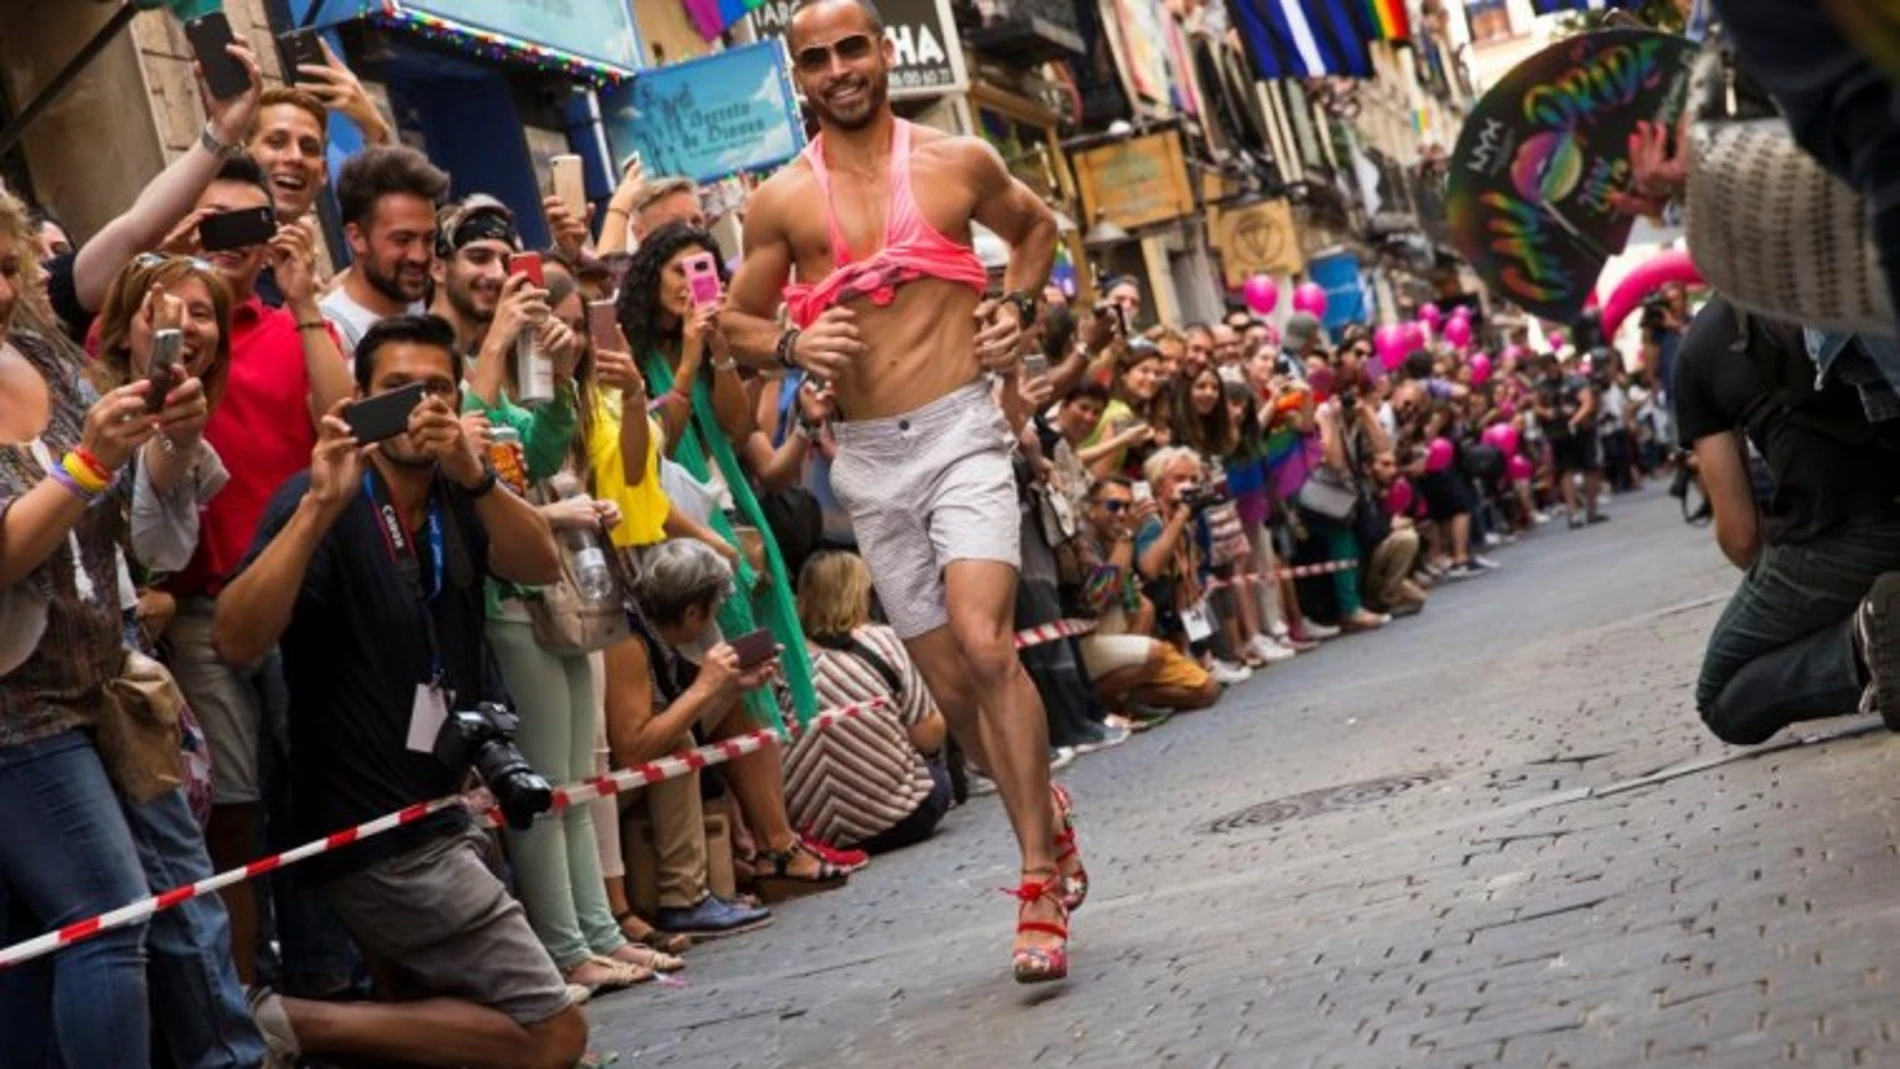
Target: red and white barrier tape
[1061, 629]
[1304, 571]
[572, 794]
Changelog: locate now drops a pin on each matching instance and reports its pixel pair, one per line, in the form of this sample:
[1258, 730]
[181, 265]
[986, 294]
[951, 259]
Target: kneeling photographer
[368, 572]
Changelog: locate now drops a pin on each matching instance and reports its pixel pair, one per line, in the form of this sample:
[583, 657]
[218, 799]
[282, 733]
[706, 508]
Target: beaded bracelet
[83, 474]
[64, 478]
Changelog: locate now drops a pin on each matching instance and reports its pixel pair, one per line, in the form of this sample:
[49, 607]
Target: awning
[594, 42]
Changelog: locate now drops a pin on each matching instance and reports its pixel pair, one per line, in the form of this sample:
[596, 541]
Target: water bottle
[534, 371]
[591, 577]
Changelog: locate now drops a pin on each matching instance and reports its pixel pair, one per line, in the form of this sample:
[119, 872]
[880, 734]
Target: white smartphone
[1142, 492]
[569, 184]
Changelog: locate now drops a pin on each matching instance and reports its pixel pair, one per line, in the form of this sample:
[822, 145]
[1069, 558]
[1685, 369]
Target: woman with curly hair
[706, 408]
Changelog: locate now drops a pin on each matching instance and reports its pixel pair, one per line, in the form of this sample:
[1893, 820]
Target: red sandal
[1037, 965]
[1074, 875]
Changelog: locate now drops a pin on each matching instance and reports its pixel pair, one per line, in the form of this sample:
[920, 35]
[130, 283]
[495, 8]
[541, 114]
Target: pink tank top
[912, 249]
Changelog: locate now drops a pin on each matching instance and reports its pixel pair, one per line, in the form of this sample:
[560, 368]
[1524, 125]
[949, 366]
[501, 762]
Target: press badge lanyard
[430, 709]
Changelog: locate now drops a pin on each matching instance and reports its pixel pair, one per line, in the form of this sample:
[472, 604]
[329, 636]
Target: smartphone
[603, 326]
[529, 264]
[384, 416]
[301, 48]
[168, 347]
[224, 75]
[1035, 365]
[240, 229]
[1121, 319]
[702, 279]
[1142, 491]
[569, 184]
[628, 164]
[755, 649]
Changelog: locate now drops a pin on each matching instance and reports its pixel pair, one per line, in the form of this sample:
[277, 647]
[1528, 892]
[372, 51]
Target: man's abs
[921, 347]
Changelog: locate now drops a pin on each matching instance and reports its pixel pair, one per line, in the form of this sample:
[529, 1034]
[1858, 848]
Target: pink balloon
[1399, 497]
[1438, 455]
[1508, 440]
[1389, 342]
[1650, 276]
[1557, 339]
[1262, 293]
[1519, 468]
[1429, 313]
[1480, 370]
[1310, 297]
[1463, 311]
[1507, 410]
[1494, 435]
[1458, 332]
[1414, 336]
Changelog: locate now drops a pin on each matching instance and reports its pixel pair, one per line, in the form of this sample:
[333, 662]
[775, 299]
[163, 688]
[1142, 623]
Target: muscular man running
[876, 216]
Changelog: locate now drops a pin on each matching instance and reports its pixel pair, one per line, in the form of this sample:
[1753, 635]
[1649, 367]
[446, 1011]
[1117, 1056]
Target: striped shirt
[860, 776]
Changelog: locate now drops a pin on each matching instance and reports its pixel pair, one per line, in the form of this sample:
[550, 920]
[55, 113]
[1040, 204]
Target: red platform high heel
[1037, 965]
[1074, 875]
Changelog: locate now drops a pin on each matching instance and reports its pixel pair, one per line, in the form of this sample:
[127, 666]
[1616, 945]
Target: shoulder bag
[569, 624]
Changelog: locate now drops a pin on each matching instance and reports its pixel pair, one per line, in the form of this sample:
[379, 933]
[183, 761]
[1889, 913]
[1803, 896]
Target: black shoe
[1877, 641]
[1598, 517]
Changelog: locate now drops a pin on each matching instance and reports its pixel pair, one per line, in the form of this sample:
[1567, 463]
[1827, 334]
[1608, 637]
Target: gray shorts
[225, 699]
[924, 489]
[439, 914]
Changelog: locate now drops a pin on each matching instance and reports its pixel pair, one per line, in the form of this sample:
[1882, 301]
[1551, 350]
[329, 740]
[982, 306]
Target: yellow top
[643, 508]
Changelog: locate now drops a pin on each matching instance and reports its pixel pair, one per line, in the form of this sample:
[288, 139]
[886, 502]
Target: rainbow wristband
[99, 471]
[65, 479]
[83, 474]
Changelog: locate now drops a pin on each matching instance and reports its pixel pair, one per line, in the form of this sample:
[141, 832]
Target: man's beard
[876, 101]
[463, 301]
[414, 461]
[389, 285]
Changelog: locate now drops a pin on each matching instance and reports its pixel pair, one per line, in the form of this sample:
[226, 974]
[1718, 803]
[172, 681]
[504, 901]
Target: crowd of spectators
[184, 481]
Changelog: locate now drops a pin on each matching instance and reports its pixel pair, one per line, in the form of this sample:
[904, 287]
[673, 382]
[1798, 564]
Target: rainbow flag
[1389, 20]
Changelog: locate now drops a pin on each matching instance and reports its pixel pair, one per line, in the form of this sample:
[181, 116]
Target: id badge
[426, 717]
[1197, 624]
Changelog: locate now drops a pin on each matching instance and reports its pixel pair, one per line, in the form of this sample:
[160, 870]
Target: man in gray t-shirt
[387, 194]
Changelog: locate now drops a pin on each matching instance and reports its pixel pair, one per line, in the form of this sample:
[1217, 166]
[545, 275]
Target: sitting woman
[673, 677]
[875, 780]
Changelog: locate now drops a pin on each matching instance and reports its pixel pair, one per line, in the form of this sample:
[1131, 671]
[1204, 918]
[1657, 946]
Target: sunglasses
[1116, 508]
[159, 259]
[849, 49]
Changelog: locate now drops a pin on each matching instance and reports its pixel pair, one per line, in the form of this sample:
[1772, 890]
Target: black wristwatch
[1027, 305]
[487, 485]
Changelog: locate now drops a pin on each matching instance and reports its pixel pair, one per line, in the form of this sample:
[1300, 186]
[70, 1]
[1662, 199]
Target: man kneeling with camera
[368, 572]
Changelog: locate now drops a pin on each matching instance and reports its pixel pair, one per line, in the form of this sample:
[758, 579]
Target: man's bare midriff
[921, 347]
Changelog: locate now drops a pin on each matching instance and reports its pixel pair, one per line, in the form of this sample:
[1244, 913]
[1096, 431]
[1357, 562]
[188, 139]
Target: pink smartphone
[702, 279]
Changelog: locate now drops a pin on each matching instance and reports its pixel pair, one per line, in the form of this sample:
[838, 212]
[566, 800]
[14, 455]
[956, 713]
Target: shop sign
[589, 29]
[923, 33]
[708, 118]
[1259, 239]
[1138, 182]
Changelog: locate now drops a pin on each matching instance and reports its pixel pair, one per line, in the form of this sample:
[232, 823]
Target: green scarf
[771, 602]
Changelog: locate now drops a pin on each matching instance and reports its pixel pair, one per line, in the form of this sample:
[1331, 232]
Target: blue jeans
[1783, 650]
[66, 855]
[198, 1002]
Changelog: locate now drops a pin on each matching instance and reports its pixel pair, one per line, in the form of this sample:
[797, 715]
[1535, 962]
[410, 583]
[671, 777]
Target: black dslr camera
[1201, 498]
[483, 738]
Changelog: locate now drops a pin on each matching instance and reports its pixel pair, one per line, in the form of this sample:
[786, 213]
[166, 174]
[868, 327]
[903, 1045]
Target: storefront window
[1490, 19]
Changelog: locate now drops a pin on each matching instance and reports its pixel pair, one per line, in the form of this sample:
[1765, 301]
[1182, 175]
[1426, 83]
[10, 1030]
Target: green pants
[557, 862]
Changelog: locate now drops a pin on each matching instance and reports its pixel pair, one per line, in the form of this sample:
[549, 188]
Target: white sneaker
[1228, 675]
[1270, 651]
[1061, 757]
[1541, 518]
[1320, 631]
[1486, 563]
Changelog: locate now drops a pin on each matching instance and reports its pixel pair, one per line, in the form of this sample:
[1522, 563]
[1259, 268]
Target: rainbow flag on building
[1389, 20]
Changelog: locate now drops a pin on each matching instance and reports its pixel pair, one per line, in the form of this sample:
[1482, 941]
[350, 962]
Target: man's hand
[571, 233]
[293, 258]
[827, 348]
[438, 432]
[520, 307]
[999, 338]
[816, 403]
[342, 91]
[183, 239]
[231, 119]
[1102, 330]
[336, 465]
[480, 430]
[1036, 393]
[1658, 175]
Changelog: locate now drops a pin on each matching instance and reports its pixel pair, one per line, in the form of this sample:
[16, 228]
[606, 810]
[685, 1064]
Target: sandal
[637, 930]
[1074, 875]
[775, 881]
[645, 957]
[1037, 965]
[618, 974]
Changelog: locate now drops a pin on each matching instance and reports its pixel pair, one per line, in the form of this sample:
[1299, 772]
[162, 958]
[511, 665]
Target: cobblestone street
[1493, 834]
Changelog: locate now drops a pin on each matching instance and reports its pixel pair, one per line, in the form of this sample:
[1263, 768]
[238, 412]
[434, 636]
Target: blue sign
[599, 30]
[708, 118]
